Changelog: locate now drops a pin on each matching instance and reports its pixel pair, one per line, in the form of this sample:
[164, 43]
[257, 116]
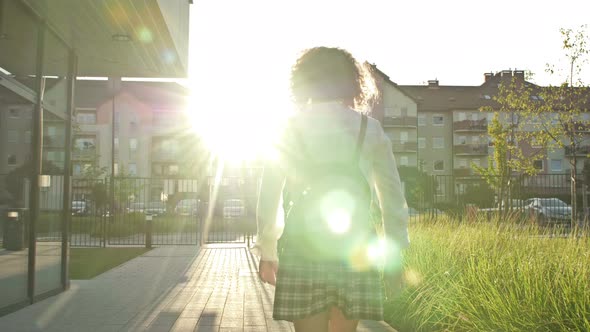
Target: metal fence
[460, 195]
[132, 211]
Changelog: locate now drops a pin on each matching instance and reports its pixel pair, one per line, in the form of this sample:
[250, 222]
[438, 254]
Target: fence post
[148, 231]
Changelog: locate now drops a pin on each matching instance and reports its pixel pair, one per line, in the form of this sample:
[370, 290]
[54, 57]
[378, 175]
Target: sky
[241, 52]
[454, 41]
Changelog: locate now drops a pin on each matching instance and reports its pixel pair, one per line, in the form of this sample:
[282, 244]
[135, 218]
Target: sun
[237, 127]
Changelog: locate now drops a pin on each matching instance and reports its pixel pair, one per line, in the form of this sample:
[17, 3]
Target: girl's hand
[267, 270]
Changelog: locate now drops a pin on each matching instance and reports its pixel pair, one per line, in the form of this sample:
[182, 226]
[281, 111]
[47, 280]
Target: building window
[13, 113]
[404, 111]
[538, 165]
[11, 160]
[133, 118]
[438, 142]
[476, 162]
[403, 161]
[421, 142]
[173, 169]
[12, 136]
[462, 163]
[439, 165]
[84, 143]
[133, 144]
[474, 117]
[51, 131]
[461, 116]
[132, 169]
[86, 117]
[157, 169]
[116, 143]
[403, 137]
[461, 140]
[77, 169]
[116, 168]
[438, 120]
[421, 120]
[556, 165]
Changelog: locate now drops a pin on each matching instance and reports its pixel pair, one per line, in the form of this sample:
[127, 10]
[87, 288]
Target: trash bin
[14, 231]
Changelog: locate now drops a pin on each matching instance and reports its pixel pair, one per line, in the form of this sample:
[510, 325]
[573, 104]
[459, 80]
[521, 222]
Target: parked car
[548, 210]
[155, 208]
[136, 207]
[234, 208]
[79, 208]
[187, 207]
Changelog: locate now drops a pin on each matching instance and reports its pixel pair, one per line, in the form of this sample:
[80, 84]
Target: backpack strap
[361, 138]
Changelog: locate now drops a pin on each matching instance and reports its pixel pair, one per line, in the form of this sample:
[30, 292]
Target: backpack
[327, 208]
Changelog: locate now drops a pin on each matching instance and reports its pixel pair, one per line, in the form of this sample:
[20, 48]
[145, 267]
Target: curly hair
[324, 74]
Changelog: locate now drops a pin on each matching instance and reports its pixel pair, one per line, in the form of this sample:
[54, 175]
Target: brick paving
[167, 289]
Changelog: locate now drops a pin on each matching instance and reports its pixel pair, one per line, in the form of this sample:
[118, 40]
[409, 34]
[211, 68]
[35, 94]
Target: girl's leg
[315, 323]
[339, 323]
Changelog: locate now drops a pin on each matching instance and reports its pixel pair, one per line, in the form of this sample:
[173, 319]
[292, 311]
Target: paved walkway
[166, 289]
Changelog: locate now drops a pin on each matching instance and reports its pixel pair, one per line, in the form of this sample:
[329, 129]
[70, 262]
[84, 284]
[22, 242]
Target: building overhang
[124, 38]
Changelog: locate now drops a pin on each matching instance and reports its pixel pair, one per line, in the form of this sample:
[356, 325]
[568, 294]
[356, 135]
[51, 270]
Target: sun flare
[238, 124]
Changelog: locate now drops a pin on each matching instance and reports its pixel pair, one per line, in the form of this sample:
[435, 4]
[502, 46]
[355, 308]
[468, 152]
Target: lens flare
[144, 35]
[339, 221]
[336, 208]
[384, 251]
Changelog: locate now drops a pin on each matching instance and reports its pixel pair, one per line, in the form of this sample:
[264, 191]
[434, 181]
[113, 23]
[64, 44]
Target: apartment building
[397, 111]
[153, 136]
[452, 131]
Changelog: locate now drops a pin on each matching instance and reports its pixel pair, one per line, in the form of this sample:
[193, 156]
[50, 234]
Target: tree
[512, 152]
[559, 122]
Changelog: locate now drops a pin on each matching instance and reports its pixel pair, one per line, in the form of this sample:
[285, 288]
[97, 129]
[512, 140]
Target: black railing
[471, 125]
[407, 121]
[471, 149]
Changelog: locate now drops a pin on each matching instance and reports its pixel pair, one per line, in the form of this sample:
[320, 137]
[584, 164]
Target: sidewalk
[166, 289]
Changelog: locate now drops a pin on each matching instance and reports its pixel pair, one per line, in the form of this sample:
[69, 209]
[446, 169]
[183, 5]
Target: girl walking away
[331, 212]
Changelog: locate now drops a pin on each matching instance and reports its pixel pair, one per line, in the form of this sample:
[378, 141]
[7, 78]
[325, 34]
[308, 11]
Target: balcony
[464, 172]
[83, 154]
[581, 151]
[404, 146]
[164, 155]
[471, 125]
[471, 149]
[54, 141]
[400, 121]
[580, 127]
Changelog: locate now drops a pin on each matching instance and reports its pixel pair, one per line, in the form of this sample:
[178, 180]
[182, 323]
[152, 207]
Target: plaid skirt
[306, 288]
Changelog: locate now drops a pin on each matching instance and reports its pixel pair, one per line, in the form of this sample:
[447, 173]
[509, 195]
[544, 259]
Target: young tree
[560, 123]
[512, 152]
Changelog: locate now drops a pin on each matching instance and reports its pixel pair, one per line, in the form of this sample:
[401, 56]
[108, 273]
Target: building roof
[163, 95]
[434, 97]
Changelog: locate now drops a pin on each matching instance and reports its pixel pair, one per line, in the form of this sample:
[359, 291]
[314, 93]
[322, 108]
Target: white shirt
[329, 132]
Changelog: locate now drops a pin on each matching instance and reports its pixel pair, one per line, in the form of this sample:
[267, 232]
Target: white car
[234, 208]
[187, 207]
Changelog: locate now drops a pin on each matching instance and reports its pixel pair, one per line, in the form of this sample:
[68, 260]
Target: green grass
[492, 277]
[87, 263]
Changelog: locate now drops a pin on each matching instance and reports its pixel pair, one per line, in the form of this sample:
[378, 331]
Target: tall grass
[483, 276]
